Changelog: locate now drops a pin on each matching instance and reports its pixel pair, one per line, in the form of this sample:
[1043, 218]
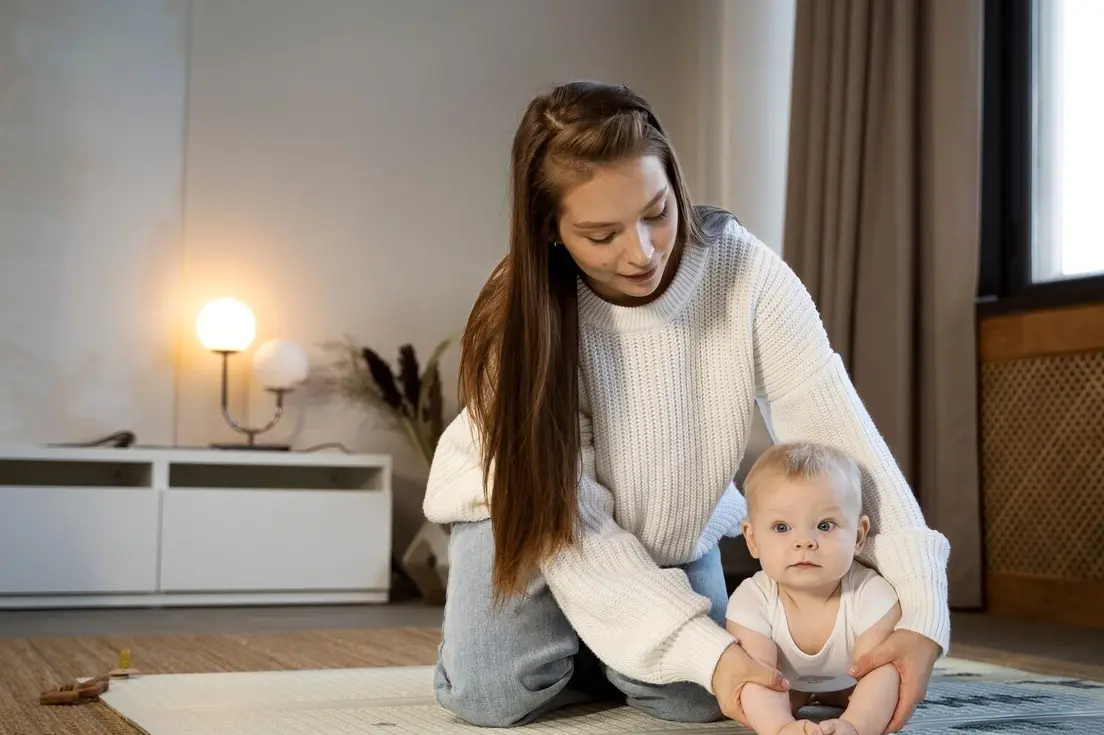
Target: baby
[813, 609]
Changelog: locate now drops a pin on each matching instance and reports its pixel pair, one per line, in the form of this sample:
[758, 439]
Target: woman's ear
[860, 538]
[749, 537]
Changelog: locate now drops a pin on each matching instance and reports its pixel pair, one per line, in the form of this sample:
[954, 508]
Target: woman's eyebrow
[598, 225]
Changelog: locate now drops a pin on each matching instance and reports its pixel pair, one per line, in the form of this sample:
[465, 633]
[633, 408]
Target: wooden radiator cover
[1042, 463]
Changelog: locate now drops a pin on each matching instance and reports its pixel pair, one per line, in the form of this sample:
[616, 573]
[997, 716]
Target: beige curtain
[882, 223]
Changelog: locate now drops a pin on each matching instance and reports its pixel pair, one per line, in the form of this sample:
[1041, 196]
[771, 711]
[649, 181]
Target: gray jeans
[506, 666]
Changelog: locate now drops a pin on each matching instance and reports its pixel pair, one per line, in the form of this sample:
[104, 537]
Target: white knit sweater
[668, 392]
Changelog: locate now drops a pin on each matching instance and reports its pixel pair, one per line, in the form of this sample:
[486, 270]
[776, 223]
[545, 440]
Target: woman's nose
[639, 249]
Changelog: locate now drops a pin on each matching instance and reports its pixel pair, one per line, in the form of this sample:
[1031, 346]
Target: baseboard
[1073, 602]
[206, 599]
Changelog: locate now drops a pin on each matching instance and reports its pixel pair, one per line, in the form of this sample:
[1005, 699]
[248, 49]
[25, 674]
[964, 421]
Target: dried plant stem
[410, 398]
[419, 441]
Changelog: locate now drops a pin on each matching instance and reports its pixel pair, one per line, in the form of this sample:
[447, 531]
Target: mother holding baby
[610, 369]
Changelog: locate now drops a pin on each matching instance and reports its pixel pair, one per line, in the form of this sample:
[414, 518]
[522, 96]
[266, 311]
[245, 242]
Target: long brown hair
[519, 352]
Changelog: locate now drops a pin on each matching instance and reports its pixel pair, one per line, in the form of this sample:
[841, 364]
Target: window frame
[1007, 212]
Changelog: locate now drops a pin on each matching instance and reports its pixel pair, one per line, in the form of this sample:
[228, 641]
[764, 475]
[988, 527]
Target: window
[1069, 155]
[1043, 151]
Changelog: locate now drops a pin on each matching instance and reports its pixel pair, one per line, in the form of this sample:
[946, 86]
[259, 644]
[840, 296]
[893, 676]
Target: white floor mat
[963, 697]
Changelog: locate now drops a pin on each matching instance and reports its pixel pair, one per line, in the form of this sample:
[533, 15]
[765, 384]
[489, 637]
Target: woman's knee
[486, 694]
[685, 703]
[498, 666]
[679, 702]
[476, 708]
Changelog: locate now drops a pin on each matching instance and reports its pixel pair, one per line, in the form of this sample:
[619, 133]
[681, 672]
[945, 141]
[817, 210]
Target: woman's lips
[645, 276]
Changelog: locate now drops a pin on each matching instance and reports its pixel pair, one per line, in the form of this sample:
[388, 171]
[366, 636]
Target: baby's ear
[749, 537]
[860, 537]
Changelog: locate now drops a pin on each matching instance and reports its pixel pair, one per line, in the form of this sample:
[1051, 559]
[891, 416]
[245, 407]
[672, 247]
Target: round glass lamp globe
[226, 325]
[280, 364]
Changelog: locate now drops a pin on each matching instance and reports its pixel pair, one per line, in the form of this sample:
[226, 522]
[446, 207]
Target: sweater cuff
[915, 563]
[924, 609]
[695, 651]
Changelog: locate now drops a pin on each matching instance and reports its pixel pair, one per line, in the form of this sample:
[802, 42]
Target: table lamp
[227, 326]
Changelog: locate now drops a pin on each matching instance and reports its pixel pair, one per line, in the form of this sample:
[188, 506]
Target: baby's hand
[801, 727]
[838, 727]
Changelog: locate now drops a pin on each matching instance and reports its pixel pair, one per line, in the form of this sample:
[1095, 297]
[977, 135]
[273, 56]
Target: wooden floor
[30, 666]
[1023, 637]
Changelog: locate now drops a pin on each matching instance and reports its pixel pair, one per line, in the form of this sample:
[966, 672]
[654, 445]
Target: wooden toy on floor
[78, 691]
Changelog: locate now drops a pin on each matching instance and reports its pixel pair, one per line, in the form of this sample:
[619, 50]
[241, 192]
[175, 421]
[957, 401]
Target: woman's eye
[825, 526]
[780, 528]
[661, 216]
[604, 241]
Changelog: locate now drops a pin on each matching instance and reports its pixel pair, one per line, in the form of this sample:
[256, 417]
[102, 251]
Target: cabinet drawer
[216, 540]
[77, 540]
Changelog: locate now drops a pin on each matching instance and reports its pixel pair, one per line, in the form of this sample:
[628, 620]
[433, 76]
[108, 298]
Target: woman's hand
[914, 657]
[736, 668]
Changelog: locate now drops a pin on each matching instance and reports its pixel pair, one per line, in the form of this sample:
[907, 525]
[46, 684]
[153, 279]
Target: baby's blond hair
[806, 461]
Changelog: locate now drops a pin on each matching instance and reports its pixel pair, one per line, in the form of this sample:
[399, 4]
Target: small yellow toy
[124, 670]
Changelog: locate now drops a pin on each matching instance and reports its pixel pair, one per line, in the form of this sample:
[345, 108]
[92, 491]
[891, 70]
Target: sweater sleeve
[644, 621]
[454, 490]
[805, 393]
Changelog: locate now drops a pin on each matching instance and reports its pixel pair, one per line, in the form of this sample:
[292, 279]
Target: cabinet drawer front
[266, 540]
[78, 540]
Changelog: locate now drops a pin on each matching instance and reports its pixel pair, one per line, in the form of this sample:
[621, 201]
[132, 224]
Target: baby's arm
[875, 696]
[767, 711]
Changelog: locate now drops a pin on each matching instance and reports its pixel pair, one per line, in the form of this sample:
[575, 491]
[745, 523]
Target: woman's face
[619, 226]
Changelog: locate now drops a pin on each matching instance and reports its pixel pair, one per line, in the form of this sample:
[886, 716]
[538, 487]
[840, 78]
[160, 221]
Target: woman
[610, 369]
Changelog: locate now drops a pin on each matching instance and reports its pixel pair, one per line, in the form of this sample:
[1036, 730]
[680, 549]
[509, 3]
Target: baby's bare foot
[838, 727]
[801, 727]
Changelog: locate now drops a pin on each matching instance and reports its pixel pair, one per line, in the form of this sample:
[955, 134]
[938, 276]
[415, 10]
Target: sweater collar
[595, 311]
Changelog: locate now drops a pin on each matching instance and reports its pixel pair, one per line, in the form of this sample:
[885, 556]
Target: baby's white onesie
[864, 600]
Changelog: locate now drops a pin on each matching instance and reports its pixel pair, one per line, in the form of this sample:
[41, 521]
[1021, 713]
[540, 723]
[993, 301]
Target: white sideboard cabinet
[152, 527]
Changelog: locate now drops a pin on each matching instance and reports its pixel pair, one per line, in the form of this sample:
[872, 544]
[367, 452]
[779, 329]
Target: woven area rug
[964, 697]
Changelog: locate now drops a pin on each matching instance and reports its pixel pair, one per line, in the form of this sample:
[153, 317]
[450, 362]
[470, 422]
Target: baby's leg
[871, 705]
[765, 711]
[768, 712]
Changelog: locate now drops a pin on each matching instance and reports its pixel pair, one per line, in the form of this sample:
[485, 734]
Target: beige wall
[91, 125]
[339, 165]
[747, 66]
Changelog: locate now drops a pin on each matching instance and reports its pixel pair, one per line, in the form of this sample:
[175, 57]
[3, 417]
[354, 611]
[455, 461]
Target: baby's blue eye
[780, 528]
[825, 526]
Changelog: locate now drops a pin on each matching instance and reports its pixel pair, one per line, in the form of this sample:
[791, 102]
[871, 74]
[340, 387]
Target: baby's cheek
[774, 554]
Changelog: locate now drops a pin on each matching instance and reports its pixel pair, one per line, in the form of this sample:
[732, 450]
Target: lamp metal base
[253, 447]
